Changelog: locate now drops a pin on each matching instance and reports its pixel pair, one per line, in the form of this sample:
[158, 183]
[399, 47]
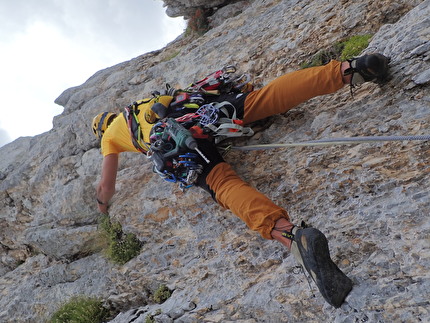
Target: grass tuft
[342, 51]
[121, 246]
[162, 294]
[354, 46]
[81, 309]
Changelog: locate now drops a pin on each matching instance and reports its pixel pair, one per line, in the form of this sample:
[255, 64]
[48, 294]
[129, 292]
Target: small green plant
[121, 247]
[162, 294]
[81, 310]
[323, 57]
[150, 317]
[169, 55]
[342, 50]
[354, 46]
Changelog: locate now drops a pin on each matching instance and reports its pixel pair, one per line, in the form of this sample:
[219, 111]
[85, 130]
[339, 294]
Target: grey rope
[334, 141]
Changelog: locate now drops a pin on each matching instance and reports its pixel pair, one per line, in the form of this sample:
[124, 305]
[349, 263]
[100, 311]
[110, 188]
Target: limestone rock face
[177, 8]
[216, 11]
[371, 200]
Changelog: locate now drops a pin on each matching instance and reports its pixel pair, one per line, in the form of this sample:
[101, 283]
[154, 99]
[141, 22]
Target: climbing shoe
[310, 248]
[369, 67]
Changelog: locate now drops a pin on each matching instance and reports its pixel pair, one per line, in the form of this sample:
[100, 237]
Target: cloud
[130, 24]
[48, 46]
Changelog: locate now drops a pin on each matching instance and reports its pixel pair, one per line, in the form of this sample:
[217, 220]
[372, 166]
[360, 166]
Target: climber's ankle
[345, 78]
[278, 232]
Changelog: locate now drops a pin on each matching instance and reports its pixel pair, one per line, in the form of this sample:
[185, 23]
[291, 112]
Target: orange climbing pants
[282, 94]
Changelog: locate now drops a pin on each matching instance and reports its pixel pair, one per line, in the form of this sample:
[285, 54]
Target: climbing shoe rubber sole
[313, 250]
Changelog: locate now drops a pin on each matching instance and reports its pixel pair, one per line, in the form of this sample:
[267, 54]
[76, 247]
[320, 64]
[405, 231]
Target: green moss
[121, 247]
[342, 50]
[324, 56]
[320, 58]
[172, 55]
[354, 46]
[149, 319]
[81, 310]
[169, 55]
[162, 294]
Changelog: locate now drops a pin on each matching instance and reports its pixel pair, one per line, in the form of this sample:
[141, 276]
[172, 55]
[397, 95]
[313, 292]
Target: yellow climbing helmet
[101, 122]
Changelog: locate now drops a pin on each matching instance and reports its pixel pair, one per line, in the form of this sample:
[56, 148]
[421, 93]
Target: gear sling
[140, 133]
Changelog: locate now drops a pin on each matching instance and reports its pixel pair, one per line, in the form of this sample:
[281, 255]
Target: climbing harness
[168, 137]
[191, 115]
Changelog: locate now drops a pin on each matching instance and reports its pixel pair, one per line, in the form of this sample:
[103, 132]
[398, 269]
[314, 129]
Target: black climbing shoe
[369, 67]
[310, 247]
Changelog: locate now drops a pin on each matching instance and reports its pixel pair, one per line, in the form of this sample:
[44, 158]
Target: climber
[309, 245]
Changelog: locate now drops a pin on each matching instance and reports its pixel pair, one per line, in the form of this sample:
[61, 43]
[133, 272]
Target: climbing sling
[136, 135]
[140, 131]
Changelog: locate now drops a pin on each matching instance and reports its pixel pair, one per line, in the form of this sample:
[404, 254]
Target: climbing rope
[333, 141]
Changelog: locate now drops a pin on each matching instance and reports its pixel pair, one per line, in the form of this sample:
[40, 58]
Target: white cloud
[47, 46]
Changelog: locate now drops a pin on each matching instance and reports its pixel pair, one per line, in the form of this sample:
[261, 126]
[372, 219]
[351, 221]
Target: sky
[48, 46]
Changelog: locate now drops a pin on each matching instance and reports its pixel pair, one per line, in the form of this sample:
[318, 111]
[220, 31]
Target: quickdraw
[213, 82]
